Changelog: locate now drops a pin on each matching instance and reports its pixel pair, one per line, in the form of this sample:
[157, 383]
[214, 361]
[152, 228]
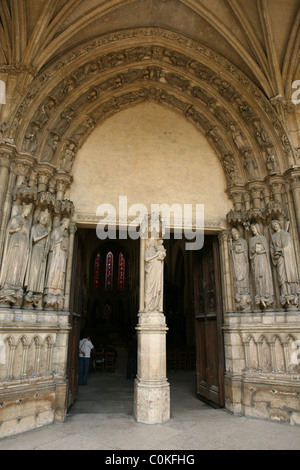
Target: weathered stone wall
[33, 359]
[262, 366]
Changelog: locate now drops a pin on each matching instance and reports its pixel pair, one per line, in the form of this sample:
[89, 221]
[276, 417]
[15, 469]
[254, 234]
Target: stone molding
[83, 64]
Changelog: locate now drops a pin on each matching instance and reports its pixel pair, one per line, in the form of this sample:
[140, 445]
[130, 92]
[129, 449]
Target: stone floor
[102, 419]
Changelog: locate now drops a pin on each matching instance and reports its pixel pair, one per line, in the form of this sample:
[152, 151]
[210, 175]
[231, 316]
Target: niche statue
[260, 263]
[155, 254]
[39, 247]
[283, 257]
[239, 252]
[15, 258]
[57, 264]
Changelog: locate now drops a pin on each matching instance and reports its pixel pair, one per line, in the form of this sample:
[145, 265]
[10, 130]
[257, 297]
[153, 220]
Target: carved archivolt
[120, 70]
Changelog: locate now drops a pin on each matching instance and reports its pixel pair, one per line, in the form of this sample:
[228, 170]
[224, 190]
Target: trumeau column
[6, 155]
[73, 229]
[152, 390]
[294, 178]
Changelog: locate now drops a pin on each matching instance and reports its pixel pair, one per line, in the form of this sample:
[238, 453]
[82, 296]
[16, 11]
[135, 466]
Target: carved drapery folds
[155, 254]
[37, 212]
[55, 116]
[263, 243]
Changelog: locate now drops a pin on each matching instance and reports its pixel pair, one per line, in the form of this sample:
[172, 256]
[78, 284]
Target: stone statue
[15, 257]
[155, 254]
[39, 247]
[68, 157]
[238, 137]
[240, 261]
[57, 264]
[260, 263]
[260, 134]
[271, 162]
[283, 257]
[251, 165]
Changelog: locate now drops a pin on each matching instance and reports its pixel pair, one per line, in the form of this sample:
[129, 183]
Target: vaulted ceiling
[260, 37]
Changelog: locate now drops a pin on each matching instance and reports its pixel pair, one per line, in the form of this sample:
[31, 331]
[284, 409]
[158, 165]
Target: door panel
[208, 324]
[76, 305]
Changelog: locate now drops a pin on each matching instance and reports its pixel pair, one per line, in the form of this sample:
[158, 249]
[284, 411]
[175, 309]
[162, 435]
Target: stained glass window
[109, 271]
[97, 271]
[121, 274]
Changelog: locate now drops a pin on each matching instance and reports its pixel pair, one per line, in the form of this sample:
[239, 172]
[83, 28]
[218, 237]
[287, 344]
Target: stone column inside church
[152, 390]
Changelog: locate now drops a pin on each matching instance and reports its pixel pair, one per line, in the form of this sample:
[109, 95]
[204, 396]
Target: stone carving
[39, 247]
[155, 254]
[261, 267]
[250, 165]
[260, 134]
[64, 120]
[230, 168]
[240, 261]
[87, 125]
[283, 257]
[45, 111]
[221, 114]
[68, 156]
[31, 138]
[272, 161]
[244, 109]
[5, 132]
[50, 147]
[15, 257]
[214, 136]
[239, 138]
[57, 263]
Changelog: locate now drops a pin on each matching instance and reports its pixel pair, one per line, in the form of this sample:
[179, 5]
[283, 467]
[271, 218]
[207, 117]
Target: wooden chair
[99, 361]
[110, 362]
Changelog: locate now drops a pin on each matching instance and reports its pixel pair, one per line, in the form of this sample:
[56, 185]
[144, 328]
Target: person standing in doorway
[85, 347]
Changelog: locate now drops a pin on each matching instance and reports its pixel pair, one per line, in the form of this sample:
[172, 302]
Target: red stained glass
[97, 271]
[109, 271]
[121, 274]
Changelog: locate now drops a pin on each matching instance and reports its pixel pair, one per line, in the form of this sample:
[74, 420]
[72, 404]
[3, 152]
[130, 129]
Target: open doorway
[105, 304]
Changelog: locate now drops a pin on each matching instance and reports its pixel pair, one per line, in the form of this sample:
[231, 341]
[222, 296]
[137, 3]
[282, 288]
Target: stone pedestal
[152, 390]
[33, 360]
[262, 378]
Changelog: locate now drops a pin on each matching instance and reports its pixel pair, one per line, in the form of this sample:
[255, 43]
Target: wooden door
[76, 306]
[208, 323]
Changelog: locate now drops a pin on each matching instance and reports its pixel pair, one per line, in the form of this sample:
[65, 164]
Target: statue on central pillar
[152, 389]
[155, 254]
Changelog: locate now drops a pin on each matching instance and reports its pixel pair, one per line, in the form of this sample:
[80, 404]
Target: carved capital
[63, 181]
[23, 166]
[45, 172]
[293, 177]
